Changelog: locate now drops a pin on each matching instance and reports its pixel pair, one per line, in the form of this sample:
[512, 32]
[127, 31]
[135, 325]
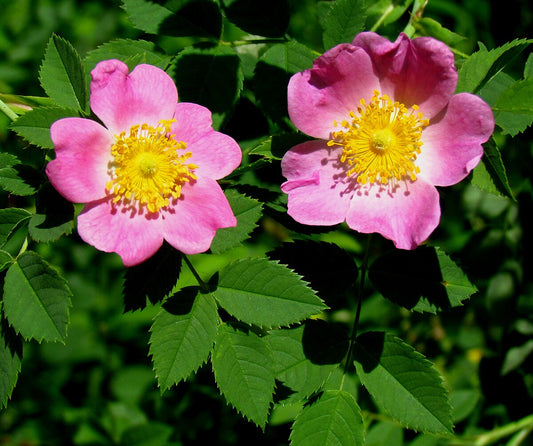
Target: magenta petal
[134, 238]
[191, 224]
[452, 146]
[317, 185]
[216, 154]
[121, 100]
[339, 79]
[419, 71]
[83, 150]
[406, 218]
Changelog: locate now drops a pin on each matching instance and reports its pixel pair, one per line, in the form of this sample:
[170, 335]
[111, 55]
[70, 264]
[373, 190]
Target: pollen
[149, 167]
[381, 142]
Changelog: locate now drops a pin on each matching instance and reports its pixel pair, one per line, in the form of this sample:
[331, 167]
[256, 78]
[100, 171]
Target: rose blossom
[148, 173]
[390, 129]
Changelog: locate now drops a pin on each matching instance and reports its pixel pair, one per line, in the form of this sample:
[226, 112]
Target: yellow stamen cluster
[382, 141]
[147, 169]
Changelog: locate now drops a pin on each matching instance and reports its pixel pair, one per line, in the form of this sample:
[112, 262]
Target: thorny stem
[203, 285]
[7, 111]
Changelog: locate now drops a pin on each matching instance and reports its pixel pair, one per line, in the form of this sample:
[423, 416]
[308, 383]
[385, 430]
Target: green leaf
[54, 216]
[211, 77]
[334, 420]
[154, 278]
[425, 279]
[483, 65]
[305, 356]
[242, 363]
[269, 19]
[385, 11]
[6, 260]
[516, 356]
[147, 434]
[463, 402]
[10, 361]
[247, 211]
[182, 335]
[131, 52]
[17, 178]
[403, 382]
[36, 299]
[10, 220]
[427, 26]
[62, 75]
[264, 293]
[490, 175]
[272, 74]
[146, 15]
[277, 145]
[513, 110]
[34, 125]
[343, 20]
[383, 433]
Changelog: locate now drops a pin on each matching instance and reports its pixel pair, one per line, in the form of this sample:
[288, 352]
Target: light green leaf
[36, 299]
[146, 15]
[403, 382]
[334, 420]
[62, 75]
[343, 20]
[513, 110]
[516, 356]
[463, 402]
[247, 211]
[242, 363]
[265, 293]
[10, 360]
[182, 335]
[483, 65]
[10, 220]
[383, 433]
[427, 26]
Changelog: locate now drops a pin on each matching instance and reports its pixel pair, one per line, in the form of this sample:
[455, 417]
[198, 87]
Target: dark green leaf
[513, 110]
[265, 18]
[334, 420]
[403, 382]
[277, 145]
[155, 278]
[6, 260]
[17, 178]
[425, 279]
[343, 20]
[10, 359]
[147, 434]
[247, 211]
[211, 77]
[385, 12]
[463, 402]
[264, 293]
[242, 362]
[182, 335]
[36, 299]
[383, 433]
[516, 356]
[53, 218]
[34, 125]
[62, 75]
[10, 220]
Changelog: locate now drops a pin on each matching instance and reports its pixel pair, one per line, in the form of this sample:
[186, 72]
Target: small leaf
[334, 420]
[425, 279]
[277, 145]
[516, 356]
[265, 293]
[6, 260]
[247, 211]
[269, 19]
[513, 110]
[403, 382]
[211, 77]
[62, 75]
[36, 299]
[154, 278]
[10, 361]
[17, 178]
[10, 220]
[34, 125]
[147, 434]
[427, 26]
[242, 363]
[182, 335]
[343, 20]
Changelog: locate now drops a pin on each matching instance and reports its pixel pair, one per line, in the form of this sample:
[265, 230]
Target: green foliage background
[99, 387]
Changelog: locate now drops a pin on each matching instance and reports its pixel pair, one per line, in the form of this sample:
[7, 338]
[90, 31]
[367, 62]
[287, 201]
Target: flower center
[381, 143]
[147, 168]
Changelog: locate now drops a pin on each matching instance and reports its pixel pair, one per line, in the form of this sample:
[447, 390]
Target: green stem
[203, 285]
[7, 111]
[504, 431]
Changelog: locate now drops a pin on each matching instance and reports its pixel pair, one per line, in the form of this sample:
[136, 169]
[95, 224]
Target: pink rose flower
[390, 129]
[148, 173]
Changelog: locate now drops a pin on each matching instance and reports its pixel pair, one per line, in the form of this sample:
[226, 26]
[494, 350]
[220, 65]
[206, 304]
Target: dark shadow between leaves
[200, 18]
[368, 349]
[181, 303]
[11, 341]
[324, 342]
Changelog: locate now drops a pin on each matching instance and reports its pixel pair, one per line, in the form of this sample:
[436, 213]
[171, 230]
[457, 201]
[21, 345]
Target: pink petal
[83, 150]
[122, 100]
[339, 79]
[317, 185]
[419, 71]
[407, 216]
[452, 146]
[134, 238]
[192, 223]
[216, 154]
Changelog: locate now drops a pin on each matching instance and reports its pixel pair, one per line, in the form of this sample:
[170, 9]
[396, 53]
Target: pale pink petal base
[192, 224]
[83, 150]
[407, 216]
